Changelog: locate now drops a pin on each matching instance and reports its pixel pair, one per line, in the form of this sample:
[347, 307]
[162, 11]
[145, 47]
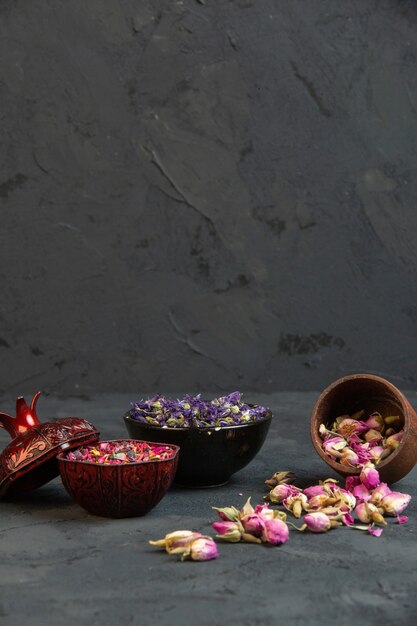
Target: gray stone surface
[61, 566]
[207, 193]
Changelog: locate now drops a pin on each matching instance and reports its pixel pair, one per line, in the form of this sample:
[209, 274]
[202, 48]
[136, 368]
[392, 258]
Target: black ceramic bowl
[208, 456]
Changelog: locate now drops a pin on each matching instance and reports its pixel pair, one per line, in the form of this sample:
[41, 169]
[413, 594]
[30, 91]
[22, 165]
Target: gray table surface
[62, 566]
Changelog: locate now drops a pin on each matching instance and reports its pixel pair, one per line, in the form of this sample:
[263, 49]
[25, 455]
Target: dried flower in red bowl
[121, 452]
[105, 481]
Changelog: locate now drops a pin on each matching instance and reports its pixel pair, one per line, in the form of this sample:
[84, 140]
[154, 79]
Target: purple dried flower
[191, 411]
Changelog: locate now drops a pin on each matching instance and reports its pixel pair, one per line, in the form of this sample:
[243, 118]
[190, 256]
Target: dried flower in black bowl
[216, 438]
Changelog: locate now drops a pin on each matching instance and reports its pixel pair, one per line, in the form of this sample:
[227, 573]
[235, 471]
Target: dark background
[207, 195]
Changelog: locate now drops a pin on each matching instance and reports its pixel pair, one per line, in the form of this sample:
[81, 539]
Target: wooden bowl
[372, 393]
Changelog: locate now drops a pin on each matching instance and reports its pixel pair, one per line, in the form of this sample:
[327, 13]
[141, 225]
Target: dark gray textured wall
[205, 194]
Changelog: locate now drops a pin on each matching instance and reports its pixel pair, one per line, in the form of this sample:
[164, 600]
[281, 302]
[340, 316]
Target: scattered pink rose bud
[369, 476]
[203, 549]
[318, 502]
[314, 490]
[280, 492]
[275, 532]
[334, 512]
[229, 531]
[395, 502]
[317, 522]
[176, 542]
[280, 478]
[367, 512]
[296, 504]
[253, 524]
[347, 499]
[265, 511]
[379, 492]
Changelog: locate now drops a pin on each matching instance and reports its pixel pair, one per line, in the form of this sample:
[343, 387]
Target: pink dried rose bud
[264, 511]
[318, 502]
[367, 512]
[369, 476]
[340, 419]
[334, 445]
[378, 453]
[349, 426]
[349, 458]
[379, 492]
[334, 512]
[229, 531]
[395, 503]
[253, 524]
[392, 420]
[393, 441]
[317, 522]
[361, 493]
[296, 504]
[176, 542]
[315, 490]
[202, 549]
[375, 422]
[275, 532]
[280, 492]
[373, 436]
[346, 498]
[280, 478]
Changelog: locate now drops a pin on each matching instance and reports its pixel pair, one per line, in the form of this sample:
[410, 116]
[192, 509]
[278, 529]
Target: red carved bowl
[128, 490]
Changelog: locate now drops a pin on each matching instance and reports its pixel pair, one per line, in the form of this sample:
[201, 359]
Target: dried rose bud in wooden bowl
[364, 418]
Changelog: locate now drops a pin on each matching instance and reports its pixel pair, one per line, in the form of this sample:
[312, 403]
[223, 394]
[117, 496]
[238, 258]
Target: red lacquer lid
[29, 460]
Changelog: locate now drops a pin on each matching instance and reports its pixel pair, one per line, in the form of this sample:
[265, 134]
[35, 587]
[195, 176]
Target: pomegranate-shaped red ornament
[29, 460]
